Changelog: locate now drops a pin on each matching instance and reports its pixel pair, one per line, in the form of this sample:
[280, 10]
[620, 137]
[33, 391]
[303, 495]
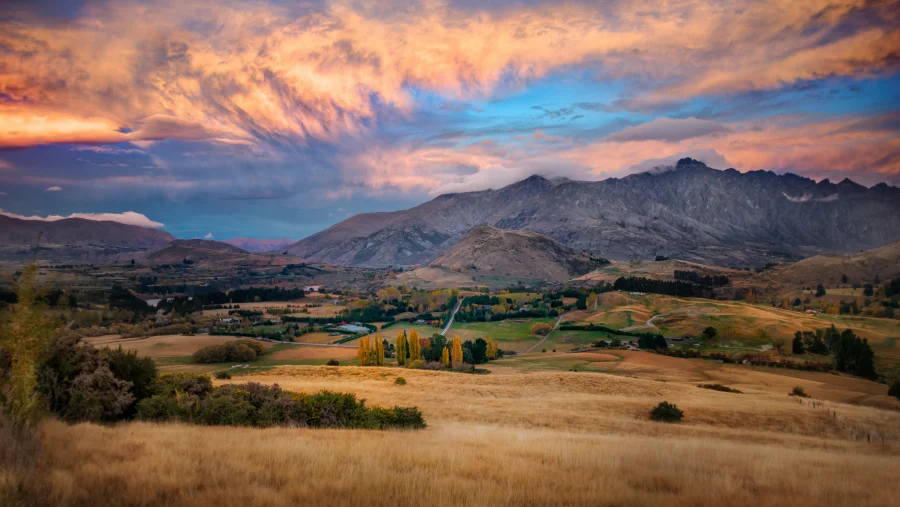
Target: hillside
[198, 250]
[690, 212]
[254, 245]
[488, 251]
[76, 239]
[859, 268]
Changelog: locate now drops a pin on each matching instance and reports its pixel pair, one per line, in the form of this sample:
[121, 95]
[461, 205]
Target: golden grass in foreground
[508, 438]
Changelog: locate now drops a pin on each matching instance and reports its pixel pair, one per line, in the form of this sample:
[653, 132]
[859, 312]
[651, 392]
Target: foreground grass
[459, 464]
[514, 437]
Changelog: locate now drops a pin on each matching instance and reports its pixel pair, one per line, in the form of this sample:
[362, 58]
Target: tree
[402, 348]
[492, 348]
[22, 341]
[820, 290]
[379, 351]
[853, 355]
[363, 351]
[894, 390]
[710, 332]
[797, 344]
[445, 357]
[541, 328]
[843, 278]
[479, 351]
[415, 348]
[456, 354]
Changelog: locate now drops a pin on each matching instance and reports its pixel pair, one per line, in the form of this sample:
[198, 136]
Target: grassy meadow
[518, 436]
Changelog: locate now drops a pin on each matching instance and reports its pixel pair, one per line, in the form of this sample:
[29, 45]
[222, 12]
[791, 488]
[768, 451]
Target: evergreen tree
[797, 344]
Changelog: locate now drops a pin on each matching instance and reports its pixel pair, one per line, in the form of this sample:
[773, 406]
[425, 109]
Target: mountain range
[254, 245]
[688, 211]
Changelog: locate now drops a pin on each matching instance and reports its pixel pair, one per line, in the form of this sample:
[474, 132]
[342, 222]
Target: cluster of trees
[652, 342]
[671, 288]
[371, 351]
[192, 398]
[852, 354]
[183, 305]
[694, 277]
[230, 352]
[412, 350]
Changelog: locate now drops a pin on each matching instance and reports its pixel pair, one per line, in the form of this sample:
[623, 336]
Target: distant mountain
[689, 211]
[76, 239]
[489, 251]
[260, 245]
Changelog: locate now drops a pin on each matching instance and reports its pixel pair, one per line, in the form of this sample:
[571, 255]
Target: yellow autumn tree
[492, 348]
[456, 355]
[415, 348]
[445, 357]
[379, 351]
[362, 352]
[401, 347]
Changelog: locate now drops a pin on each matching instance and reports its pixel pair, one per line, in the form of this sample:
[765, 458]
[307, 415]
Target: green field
[513, 334]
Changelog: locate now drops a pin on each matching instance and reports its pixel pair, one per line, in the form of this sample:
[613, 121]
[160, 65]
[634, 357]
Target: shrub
[720, 387]
[894, 390]
[666, 412]
[799, 392]
[400, 381]
[228, 352]
[541, 328]
[333, 362]
[222, 375]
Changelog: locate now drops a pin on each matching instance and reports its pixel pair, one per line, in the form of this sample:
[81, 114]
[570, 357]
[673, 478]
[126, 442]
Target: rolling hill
[254, 245]
[859, 268]
[488, 251]
[689, 211]
[200, 250]
[76, 239]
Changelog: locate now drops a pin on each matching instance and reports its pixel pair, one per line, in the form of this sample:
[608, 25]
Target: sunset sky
[278, 119]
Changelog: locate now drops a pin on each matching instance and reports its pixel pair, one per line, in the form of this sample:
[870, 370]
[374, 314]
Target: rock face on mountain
[690, 212]
[489, 251]
[76, 239]
[260, 245]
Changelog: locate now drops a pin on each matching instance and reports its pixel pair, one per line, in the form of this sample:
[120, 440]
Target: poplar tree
[492, 348]
[457, 353]
[445, 357]
[363, 352]
[401, 346]
[415, 348]
[379, 351]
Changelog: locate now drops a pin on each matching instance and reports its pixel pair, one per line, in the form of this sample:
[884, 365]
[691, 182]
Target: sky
[276, 119]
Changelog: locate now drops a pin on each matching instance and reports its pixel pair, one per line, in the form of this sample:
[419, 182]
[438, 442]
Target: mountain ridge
[689, 211]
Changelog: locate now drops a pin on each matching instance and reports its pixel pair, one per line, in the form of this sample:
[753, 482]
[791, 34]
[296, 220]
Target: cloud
[53, 189]
[208, 236]
[205, 70]
[2, 194]
[127, 217]
[669, 129]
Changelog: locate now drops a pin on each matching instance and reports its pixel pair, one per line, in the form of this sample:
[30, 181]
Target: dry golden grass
[301, 352]
[507, 438]
[161, 346]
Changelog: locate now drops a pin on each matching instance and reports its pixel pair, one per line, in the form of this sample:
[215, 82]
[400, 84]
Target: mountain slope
[689, 211]
[515, 254]
[260, 245]
[862, 267]
[76, 239]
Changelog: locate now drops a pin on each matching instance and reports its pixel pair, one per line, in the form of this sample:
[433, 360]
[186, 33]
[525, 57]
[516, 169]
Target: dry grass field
[161, 346]
[507, 438]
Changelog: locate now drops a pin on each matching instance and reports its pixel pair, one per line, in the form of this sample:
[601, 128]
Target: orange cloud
[204, 70]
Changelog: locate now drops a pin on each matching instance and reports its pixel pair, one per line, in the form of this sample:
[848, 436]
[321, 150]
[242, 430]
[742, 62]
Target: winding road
[452, 315]
[536, 345]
